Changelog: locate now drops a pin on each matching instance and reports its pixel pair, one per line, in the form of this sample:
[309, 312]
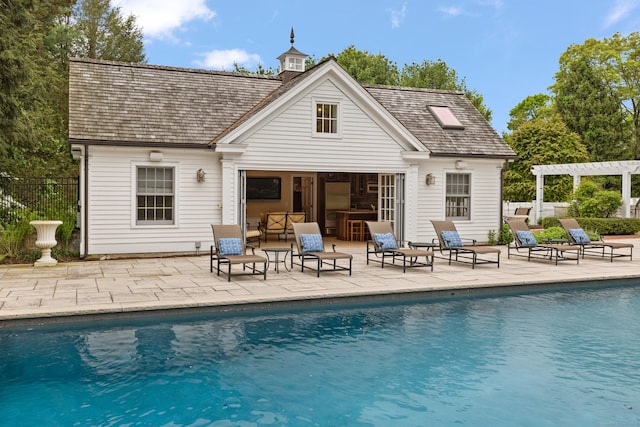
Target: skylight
[445, 117]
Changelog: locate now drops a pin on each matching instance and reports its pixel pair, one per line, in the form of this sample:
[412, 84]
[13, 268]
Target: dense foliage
[36, 39]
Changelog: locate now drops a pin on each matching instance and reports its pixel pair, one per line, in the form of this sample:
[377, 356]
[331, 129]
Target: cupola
[292, 61]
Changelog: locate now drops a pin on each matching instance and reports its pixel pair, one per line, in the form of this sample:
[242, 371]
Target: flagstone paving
[142, 284]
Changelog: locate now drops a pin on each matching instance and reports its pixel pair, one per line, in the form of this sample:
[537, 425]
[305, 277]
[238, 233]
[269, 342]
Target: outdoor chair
[274, 223]
[230, 249]
[450, 241]
[384, 246]
[577, 236]
[310, 247]
[525, 244]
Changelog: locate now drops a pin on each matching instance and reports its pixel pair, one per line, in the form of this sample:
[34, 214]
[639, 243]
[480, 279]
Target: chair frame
[464, 254]
[328, 259]
[595, 248]
[544, 251]
[224, 231]
[410, 257]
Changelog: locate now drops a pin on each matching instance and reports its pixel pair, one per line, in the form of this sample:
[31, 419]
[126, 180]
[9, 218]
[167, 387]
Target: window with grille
[458, 198]
[155, 196]
[327, 118]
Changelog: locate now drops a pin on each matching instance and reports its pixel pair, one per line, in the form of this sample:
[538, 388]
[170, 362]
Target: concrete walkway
[142, 284]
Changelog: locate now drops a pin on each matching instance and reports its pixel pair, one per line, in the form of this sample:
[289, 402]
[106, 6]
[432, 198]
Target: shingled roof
[111, 102]
[141, 104]
[411, 107]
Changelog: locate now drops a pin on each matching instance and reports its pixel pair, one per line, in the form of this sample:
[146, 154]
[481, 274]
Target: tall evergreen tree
[103, 33]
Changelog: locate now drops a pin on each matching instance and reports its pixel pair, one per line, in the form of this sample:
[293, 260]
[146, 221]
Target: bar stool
[355, 228]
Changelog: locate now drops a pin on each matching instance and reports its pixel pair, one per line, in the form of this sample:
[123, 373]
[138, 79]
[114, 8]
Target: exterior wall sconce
[155, 156]
[460, 164]
[430, 179]
[200, 175]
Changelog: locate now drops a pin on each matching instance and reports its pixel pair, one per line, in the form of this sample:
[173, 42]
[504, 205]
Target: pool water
[569, 358]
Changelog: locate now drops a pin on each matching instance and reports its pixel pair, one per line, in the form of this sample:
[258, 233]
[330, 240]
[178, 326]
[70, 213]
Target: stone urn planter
[46, 240]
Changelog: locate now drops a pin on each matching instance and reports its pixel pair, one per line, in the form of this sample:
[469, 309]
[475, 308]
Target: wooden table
[343, 218]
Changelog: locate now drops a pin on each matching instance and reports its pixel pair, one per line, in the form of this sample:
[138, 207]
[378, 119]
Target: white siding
[485, 197]
[111, 225]
[363, 145]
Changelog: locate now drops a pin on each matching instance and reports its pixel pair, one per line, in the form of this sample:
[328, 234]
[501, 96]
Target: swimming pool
[567, 358]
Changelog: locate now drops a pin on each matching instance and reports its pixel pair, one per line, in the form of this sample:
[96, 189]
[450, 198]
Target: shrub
[590, 201]
[505, 236]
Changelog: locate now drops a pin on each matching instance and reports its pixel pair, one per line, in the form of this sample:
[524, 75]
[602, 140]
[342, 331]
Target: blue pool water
[568, 358]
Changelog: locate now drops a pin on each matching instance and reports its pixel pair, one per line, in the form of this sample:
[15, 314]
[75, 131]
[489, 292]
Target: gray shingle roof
[111, 101]
[147, 104]
[410, 107]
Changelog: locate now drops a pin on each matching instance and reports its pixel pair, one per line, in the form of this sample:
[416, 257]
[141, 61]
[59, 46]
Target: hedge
[604, 226]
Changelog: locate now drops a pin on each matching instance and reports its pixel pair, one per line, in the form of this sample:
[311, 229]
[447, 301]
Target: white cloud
[620, 11]
[160, 18]
[452, 10]
[397, 16]
[224, 59]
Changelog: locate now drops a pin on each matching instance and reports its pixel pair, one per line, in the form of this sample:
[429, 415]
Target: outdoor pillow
[526, 238]
[230, 246]
[311, 243]
[579, 235]
[452, 239]
[386, 241]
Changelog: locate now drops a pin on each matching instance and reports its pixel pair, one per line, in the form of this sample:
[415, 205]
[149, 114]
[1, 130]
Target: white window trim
[314, 132]
[134, 194]
[444, 194]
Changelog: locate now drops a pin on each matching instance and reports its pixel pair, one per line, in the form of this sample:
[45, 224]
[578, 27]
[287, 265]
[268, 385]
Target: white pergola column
[539, 194]
[626, 195]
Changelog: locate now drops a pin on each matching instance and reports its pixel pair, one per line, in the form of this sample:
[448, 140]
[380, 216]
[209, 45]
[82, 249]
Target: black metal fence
[37, 196]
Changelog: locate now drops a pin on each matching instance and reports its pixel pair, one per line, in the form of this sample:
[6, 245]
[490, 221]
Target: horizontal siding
[111, 201]
[485, 198]
[362, 146]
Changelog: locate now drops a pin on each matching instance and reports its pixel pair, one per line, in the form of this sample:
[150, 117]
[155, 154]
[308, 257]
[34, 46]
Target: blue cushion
[311, 243]
[229, 246]
[579, 235]
[385, 241]
[526, 238]
[451, 239]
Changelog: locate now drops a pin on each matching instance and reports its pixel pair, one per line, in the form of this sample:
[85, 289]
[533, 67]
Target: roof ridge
[412, 89]
[173, 68]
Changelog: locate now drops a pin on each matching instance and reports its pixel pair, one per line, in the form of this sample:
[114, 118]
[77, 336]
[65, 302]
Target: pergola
[624, 168]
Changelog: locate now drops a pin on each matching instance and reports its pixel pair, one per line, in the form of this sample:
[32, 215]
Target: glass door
[391, 201]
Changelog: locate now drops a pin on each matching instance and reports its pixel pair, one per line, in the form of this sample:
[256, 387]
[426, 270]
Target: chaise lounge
[230, 249]
[310, 247]
[577, 236]
[450, 241]
[524, 241]
[384, 245]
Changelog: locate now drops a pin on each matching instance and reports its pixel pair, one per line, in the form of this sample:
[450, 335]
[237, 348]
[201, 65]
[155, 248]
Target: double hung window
[326, 118]
[458, 197]
[155, 195]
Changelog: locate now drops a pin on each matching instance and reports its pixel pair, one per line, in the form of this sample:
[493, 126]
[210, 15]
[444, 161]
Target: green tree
[537, 106]
[598, 94]
[103, 33]
[368, 68]
[538, 142]
[32, 129]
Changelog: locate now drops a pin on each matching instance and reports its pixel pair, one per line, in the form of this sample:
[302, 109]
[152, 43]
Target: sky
[506, 50]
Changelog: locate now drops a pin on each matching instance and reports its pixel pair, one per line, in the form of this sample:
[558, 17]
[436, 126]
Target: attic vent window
[445, 117]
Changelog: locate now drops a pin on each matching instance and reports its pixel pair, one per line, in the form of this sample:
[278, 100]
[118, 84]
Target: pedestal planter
[46, 240]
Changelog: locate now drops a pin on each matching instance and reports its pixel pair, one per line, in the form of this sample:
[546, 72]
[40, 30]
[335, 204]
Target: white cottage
[166, 151]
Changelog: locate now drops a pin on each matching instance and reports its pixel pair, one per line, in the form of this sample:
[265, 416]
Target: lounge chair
[310, 247]
[524, 241]
[384, 245]
[230, 249]
[449, 241]
[577, 236]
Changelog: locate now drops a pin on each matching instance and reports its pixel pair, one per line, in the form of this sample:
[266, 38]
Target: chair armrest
[333, 246]
[253, 249]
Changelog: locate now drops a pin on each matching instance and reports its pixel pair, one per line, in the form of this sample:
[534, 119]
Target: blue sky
[504, 49]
